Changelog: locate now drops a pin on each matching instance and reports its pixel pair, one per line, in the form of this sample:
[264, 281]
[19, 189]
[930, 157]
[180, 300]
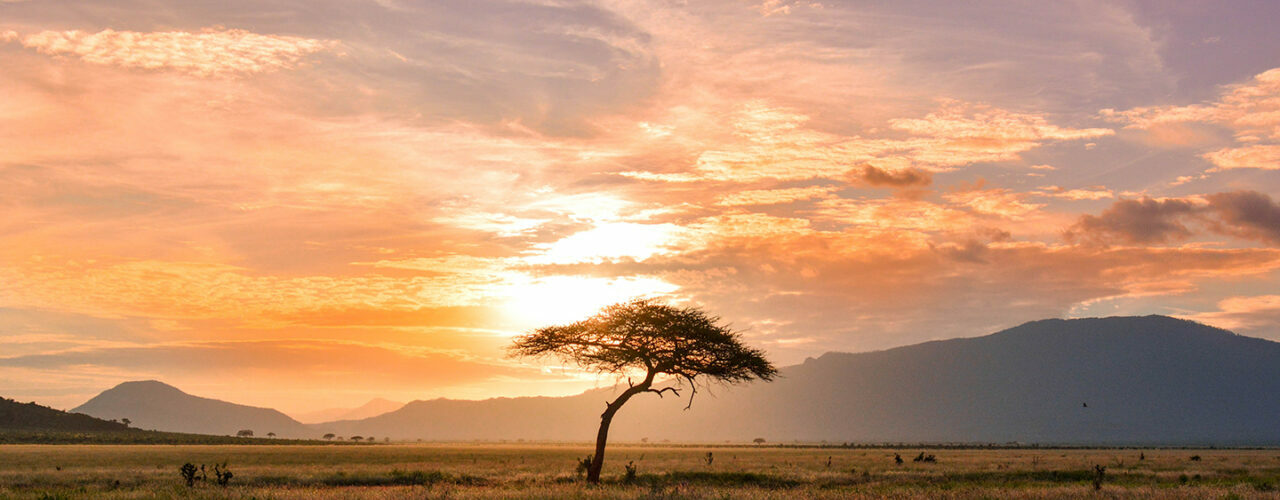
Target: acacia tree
[685, 344]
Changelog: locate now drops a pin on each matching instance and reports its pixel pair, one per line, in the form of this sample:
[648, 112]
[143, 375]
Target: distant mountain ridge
[1122, 380]
[151, 404]
[375, 407]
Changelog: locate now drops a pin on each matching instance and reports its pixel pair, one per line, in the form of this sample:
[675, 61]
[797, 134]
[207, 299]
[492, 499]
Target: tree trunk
[597, 460]
[602, 436]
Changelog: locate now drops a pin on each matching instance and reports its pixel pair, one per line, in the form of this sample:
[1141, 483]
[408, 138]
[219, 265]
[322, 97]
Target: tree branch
[665, 389]
[693, 391]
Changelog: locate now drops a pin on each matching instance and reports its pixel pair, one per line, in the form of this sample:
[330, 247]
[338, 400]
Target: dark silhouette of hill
[159, 406]
[1120, 380]
[15, 416]
[373, 408]
[35, 424]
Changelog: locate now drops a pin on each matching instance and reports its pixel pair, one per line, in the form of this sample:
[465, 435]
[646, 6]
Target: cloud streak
[210, 53]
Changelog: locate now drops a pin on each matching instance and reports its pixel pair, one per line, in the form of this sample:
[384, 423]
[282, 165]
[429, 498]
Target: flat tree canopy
[658, 339]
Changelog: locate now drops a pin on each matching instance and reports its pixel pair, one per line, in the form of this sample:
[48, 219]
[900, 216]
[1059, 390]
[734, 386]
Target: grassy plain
[547, 471]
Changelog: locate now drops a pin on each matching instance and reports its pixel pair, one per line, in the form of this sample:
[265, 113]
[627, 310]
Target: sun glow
[610, 241]
[564, 299]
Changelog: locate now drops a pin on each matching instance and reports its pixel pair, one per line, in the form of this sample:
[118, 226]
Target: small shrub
[188, 471]
[1195, 458]
[897, 459]
[1183, 479]
[709, 458]
[1099, 474]
[222, 473]
[583, 465]
[629, 476]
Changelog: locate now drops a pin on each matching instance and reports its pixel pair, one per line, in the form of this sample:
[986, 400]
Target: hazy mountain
[155, 405]
[373, 408]
[1151, 379]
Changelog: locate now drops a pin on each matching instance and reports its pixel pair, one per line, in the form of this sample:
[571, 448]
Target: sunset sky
[308, 203]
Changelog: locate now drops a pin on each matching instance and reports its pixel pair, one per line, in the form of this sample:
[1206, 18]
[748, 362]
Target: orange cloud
[1262, 157]
[774, 196]
[211, 52]
[1092, 193]
[1249, 109]
[1254, 314]
[772, 143]
[1000, 202]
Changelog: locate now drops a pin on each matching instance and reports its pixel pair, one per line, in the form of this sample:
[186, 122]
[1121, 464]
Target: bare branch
[693, 391]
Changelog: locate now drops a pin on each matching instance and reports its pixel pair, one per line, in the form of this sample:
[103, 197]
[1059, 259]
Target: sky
[305, 204]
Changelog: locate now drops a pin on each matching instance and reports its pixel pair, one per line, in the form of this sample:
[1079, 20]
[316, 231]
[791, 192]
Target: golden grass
[547, 471]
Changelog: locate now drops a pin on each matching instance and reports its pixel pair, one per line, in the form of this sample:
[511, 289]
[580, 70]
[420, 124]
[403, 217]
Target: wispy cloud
[210, 52]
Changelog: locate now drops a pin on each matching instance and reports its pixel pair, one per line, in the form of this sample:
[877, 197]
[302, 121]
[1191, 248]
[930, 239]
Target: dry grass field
[548, 471]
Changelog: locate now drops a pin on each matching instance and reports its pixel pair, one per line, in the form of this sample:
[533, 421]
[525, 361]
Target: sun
[564, 299]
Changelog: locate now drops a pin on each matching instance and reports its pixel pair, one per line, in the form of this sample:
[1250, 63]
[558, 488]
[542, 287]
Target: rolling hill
[15, 416]
[30, 423]
[155, 405]
[1121, 380]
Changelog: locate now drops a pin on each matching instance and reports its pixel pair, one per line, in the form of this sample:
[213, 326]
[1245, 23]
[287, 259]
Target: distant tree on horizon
[126, 422]
[271, 434]
[244, 433]
[329, 436]
[355, 438]
[685, 344]
[758, 440]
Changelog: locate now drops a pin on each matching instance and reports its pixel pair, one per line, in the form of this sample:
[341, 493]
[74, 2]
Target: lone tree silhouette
[686, 344]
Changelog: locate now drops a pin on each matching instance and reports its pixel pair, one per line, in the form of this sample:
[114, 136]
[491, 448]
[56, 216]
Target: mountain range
[374, 407]
[1120, 380]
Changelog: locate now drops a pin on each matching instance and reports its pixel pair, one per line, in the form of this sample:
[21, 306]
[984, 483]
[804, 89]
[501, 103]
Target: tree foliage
[658, 339]
[685, 344]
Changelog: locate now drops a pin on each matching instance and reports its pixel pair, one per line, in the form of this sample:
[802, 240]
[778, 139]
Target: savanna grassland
[548, 471]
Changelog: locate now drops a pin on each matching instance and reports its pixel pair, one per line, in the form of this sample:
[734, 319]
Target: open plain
[518, 470]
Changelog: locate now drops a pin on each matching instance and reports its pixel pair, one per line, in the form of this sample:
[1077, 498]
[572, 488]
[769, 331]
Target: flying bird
[1085, 405]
